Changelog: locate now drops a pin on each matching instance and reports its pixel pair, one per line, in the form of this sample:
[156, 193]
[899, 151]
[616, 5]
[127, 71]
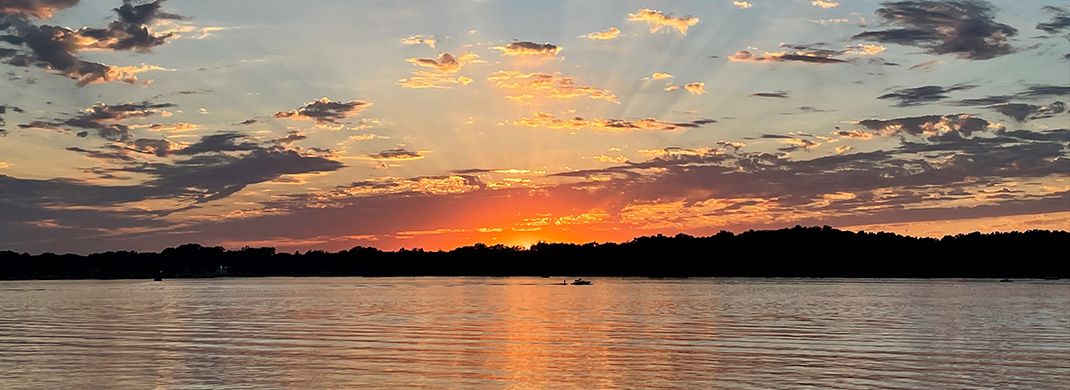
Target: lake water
[313, 333]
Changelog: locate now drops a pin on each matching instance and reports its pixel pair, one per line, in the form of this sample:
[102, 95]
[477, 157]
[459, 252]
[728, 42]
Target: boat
[581, 282]
[1005, 280]
[157, 279]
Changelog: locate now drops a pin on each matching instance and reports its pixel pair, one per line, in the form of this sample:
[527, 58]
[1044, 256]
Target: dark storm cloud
[196, 180]
[889, 185]
[970, 161]
[1038, 91]
[775, 136]
[204, 176]
[964, 28]
[102, 154]
[397, 154]
[928, 125]
[56, 48]
[131, 30]
[1030, 93]
[40, 9]
[777, 94]
[105, 119]
[290, 137]
[1057, 135]
[217, 176]
[810, 109]
[1060, 20]
[1022, 112]
[3, 111]
[523, 48]
[814, 57]
[324, 111]
[218, 143]
[157, 147]
[922, 95]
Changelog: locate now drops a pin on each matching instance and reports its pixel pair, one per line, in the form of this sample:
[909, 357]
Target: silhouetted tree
[795, 252]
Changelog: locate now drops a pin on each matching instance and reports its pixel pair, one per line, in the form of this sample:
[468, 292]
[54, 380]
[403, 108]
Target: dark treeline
[795, 252]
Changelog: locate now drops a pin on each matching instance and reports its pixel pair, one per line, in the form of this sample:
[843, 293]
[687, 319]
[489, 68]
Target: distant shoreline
[800, 252]
[555, 279]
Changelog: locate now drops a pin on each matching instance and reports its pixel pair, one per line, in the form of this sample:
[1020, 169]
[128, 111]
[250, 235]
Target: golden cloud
[126, 74]
[555, 86]
[442, 73]
[658, 20]
[865, 49]
[428, 40]
[826, 4]
[590, 217]
[696, 88]
[604, 35]
[180, 127]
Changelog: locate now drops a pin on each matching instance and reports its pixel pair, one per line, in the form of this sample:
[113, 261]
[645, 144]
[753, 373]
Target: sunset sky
[435, 124]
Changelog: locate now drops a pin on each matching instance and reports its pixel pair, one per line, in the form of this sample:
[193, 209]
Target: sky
[140, 125]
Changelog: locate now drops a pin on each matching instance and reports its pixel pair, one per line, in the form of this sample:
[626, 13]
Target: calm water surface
[525, 333]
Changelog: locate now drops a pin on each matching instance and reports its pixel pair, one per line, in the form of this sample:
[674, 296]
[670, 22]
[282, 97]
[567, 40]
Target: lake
[527, 333]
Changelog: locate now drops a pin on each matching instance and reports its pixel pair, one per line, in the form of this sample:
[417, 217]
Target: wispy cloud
[525, 87]
[549, 121]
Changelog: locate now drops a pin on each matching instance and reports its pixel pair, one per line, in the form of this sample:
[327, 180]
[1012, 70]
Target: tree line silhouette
[794, 252]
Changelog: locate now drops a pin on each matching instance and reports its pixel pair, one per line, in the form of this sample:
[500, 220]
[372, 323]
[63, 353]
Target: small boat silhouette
[157, 279]
[581, 282]
[1005, 280]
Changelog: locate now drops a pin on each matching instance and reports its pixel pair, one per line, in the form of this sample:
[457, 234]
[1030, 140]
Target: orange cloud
[658, 20]
[604, 35]
[589, 217]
